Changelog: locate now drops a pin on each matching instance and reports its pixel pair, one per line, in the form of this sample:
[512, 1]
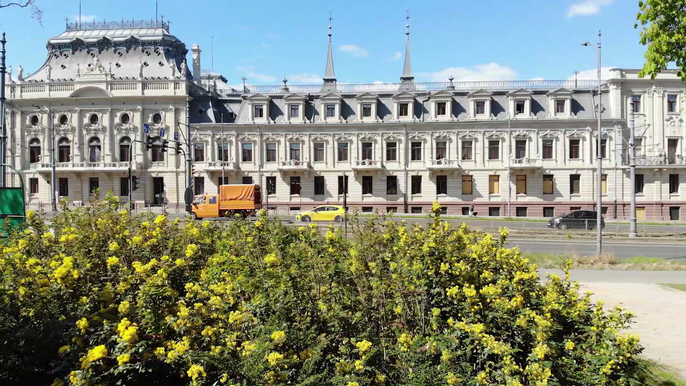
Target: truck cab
[204, 206]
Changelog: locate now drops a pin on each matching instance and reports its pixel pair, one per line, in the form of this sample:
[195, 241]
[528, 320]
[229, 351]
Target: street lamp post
[345, 204]
[632, 165]
[3, 131]
[599, 156]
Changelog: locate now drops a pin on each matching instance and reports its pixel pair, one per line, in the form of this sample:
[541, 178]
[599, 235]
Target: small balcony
[217, 166]
[367, 164]
[85, 166]
[525, 163]
[294, 165]
[653, 161]
[444, 164]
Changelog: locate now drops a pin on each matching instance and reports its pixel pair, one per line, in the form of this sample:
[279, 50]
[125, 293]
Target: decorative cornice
[295, 137]
[319, 138]
[443, 135]
[550, 134]
[343, 137]
[368, 136]
[272, 137]
[495, 134]
[468, 134]
[393, 136]
[576, 133]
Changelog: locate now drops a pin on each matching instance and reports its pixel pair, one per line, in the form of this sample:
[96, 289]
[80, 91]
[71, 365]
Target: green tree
[663, 31]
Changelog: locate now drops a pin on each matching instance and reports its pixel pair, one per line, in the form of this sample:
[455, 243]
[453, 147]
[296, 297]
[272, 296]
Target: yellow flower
[160, 351]
[223, 378]
[94, 354]
[273, 358]
[82, 324]
[248, 347]
[63, 349]
[57, 382]
[191, 249]
[124, 307]
[271, 260]
[353, 384]
[196, 372]
[114, 246]
[180, 262]
[112, 261]
[160, 219]
[123, 359]
[137, 239]
[569, 345]
[278, 336]
[363, 346]
[452, 379]
[359, 365]
[380, 378]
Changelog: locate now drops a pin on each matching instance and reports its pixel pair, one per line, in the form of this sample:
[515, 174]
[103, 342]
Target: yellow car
[322, 213]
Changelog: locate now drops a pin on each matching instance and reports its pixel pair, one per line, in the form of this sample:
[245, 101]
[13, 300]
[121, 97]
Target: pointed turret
[407, 76]
[329, 75]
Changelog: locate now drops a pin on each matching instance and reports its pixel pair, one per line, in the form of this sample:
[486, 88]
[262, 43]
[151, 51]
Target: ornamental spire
[407, 67]
[329, 75]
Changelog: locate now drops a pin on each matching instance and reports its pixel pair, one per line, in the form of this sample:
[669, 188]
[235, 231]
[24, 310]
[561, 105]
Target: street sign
[146, 128]
[176, 136]
[162, 132]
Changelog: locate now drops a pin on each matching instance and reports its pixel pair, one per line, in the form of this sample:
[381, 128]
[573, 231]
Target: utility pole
[509, 169]
[405, 163]
[345, 204]
[53, 172]
[632, 170]
[189, 161]
[3, 129]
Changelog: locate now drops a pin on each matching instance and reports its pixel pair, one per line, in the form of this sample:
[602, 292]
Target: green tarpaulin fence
[12, 206]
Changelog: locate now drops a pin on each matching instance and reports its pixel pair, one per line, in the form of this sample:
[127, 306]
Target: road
[620, 249]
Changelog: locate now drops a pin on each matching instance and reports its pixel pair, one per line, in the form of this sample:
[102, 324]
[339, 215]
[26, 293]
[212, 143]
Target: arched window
[125, 119]
[94, 119]
[157, 118]
[34, 150]
[124, 149]
[34, 120]
[64, 150]
[64, 119]
[94, 149]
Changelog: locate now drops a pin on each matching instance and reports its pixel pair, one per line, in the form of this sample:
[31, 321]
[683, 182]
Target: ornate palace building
[510, 148]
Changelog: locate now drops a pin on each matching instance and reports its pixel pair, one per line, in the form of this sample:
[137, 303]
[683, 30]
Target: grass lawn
[606, 261]
[655, 374]
[680, 287]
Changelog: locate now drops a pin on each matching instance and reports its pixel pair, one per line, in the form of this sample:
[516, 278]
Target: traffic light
[165, 146]
[148, 142]
[177, 147]
[192, 169]
[135, 183]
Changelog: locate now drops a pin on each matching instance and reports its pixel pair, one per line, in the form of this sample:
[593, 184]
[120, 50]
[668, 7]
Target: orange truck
[244, 200]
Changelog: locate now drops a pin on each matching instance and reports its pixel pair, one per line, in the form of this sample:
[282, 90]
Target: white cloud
[354, 50]
[261, 77]
[84, 18]
[396, 56]
[264, 45]
[588, 7]
[490, 71]
[304, 78]
[593, 74]
[377, 82]
[539, 78]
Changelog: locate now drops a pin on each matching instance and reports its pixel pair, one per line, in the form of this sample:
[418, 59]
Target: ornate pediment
[417, 135]
[521, 93]
[200, 137]
[368, 137]
[248, 138]
[93, 128]
[559, 92]
[468, 134]
[442, 95]
[480, 94]
[272, 137]
[319, 138]
[576, 133]
[367, 96]
[393, 136]
[443, 135]
[296, 137]
[522, 133]
[495, 135]
[550, 134]
[343, 137]
[604, 132]
[404, 95]
[224, 137]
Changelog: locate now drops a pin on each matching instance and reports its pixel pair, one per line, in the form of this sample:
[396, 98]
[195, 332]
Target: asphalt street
[620, 249]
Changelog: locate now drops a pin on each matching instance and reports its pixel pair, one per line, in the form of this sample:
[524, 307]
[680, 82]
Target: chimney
[196, 63]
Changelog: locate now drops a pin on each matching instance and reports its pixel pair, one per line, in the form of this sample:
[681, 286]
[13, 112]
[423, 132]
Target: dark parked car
[578, 219]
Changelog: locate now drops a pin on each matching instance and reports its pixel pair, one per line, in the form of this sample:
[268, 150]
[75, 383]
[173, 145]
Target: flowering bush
[109, 298]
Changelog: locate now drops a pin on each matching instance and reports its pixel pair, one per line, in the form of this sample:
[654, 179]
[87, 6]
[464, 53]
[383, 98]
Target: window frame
[636, 102]
[318, 147]
[295, 151]
[518, 104]
[271, 152]
[199, 185]
[463, 154]
[198, 152]
[294, 108]
[558, 103]
[520, 190]
[223, 153]
[576, 147]
[639, 186]
[271, 185]
[494, 184]
[391, 185]
[519, 142]
[549, 180]
[34, 151]
[574, 189]
[367, 185]
[442, 184]
[550, 148]
[403, 109]
[34, 186]
[416, 151]
[491, 156]
[441, 151]
[63, 187]
[467, 180]
[343, 152]
[295, 185]
[258, 108]
[330, 110]
[319, 185]
[672, 105]
[392, 150]
[93, 185]
[441, 109]
[343, 185]
[366, 110]
[416, 185]
[480, 108]
[367, 147]
[674, 183]
[247, 152]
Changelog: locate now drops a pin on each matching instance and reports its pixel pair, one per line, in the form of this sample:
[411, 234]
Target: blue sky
[267, 40]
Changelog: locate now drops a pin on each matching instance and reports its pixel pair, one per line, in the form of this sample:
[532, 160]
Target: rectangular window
[548, 211]
[123, 187]
[639, 184]
[157, 154]
[367, 185]
[295, 111]
[494, 184]
[247, 152]
[603, 184]
[416, 151]
[271, 185]
[465, 211]
[391, 209]
[636, 102]
[271, 152]
[441, 184]
[466, 184]
[225, 181]
[295, 151]
[367, 150]
[559, 106]
[199, 152]
[521, 183]
[548, 184]
[674, 213]
[124, 149]
[494, 211]
[416, 209]
[247, 180]
[547, 149]
[34, 153]
[638, 146]
[342, 151]
[520, 211]
[319, 185]
[574, 149]
[223, 152]
[93, 185]
[63, 187]
[672, 145]
[520, 149]
[493, 150]
[574, 184]
[295, 185]
[404, 109]
[673, 183]
[441, 108]
[519, 107]
[671, 103]
[480, 108]
[416, 184]
[366, 110]
[392, 185]
[199, 185]
[441, 150]
[33, 183]
[367, 209]
[603, 148]
[318, 152]
[64, 153]
[259, 111]
[330, 111]
[467, 153]
[342, 185]
[391, 151]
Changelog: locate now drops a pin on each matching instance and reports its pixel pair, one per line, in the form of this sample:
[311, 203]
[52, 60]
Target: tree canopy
[663, 31]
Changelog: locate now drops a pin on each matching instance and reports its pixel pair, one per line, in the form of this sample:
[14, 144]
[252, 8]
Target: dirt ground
[660, 317]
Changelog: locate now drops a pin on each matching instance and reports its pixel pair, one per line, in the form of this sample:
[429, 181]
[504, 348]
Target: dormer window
[330, 111]
[560, 106]
[404, 109]
[366, 110]
[295, 105]
[441, 108]
[520, 107]
[480, 108]
[259, 111]
[295, 111]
